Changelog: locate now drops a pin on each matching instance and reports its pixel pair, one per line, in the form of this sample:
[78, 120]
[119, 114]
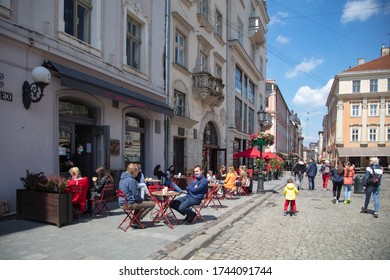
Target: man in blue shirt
[311, 173]
[195, 193]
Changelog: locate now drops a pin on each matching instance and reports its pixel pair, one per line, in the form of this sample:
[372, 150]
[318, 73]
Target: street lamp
[263, 118]
[34, 92]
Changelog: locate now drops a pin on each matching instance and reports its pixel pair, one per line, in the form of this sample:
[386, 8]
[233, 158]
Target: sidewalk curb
[204, 238]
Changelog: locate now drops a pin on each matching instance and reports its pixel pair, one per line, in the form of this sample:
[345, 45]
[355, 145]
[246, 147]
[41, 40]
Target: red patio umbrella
[248, 153]
[269, 155]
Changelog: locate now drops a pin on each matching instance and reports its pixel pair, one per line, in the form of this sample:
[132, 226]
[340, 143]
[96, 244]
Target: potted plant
[44, 199]
[262, 139]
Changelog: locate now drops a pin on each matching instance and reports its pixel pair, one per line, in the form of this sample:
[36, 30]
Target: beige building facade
[358, 122]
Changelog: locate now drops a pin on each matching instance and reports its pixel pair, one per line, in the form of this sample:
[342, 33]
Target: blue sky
[310, 41]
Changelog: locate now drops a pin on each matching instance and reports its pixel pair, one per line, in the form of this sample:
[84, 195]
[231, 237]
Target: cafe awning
[81, 81]
[364, 152]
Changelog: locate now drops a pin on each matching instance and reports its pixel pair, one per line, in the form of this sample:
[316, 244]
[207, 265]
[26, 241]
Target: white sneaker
[337, 202]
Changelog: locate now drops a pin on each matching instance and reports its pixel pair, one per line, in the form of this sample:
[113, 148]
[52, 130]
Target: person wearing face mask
[196, 190]
[78, 159]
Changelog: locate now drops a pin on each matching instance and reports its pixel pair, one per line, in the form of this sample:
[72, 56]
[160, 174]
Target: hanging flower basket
[262, 139]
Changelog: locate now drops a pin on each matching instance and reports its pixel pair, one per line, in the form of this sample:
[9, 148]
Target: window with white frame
[388, 134]
[372, 134]
[373, 110]
[251, 92]
[179, 107]
[77, 19]
[388, 109]
[179, 48]
[354, 134]
[218, 23]
[374, 85]
[356, 86]
[203, 62]
[218, 71]
[388, 84]
[203, 7]
[240, 31]
[133, 43]
[355, 110]
[238, 78]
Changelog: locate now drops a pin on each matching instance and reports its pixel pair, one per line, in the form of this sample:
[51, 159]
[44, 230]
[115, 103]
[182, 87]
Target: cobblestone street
[321, 230]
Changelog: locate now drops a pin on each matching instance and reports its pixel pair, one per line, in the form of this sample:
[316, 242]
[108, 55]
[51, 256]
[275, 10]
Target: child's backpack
[327, 169]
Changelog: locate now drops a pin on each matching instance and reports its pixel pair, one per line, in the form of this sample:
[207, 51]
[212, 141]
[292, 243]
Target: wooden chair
[132, 216]
[100, 203]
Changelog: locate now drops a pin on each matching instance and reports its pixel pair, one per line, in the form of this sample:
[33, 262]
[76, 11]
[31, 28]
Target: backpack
[373, 180]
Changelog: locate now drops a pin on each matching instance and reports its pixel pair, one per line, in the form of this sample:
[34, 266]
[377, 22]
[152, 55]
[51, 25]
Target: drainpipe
[167, 123]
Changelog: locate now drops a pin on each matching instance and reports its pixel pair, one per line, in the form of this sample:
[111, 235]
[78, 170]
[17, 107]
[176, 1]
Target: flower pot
[54, 208]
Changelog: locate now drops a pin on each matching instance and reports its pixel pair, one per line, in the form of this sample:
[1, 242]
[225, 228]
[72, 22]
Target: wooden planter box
[51, 208]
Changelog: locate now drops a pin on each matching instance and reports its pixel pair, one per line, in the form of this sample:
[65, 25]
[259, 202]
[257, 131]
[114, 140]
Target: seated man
[129, 186]
[195, 193]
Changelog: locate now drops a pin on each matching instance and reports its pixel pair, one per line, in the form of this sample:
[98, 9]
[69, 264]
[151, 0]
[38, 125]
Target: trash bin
[358, 184]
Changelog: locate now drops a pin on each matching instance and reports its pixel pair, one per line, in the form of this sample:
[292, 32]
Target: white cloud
[283, 39]
[278, 18]
[359, 10]
[306, 66]
[307, 97]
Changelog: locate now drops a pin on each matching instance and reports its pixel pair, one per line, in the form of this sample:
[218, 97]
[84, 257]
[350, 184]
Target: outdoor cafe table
[164, 206]
[152, 181]
[212, 195]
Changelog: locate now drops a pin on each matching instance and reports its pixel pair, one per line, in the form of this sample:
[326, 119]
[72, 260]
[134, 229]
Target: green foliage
[38, 182]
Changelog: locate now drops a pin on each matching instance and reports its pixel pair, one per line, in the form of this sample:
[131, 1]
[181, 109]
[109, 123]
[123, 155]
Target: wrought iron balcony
[256, 30]
[208, 89]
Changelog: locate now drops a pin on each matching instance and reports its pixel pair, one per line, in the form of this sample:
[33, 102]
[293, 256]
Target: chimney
[360, 61]
[385, 51]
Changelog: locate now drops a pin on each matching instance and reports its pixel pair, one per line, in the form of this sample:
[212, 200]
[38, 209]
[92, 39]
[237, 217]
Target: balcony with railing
[256, 30]
[208, 89]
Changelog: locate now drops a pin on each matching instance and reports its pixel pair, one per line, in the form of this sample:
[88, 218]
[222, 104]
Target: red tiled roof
[382, 63]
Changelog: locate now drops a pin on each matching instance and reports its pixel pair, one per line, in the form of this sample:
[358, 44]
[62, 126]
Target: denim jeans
[298, 180]
[183, 204]
[375, 191]
[311, 183]
[143, 189]
[347, 191]
[175, 187]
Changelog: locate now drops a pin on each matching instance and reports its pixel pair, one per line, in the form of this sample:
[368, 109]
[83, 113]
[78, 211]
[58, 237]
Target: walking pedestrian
[349, 174]
[311, 173]
[290, 192]
[337, 174]
[371, 184]
[298, 170]
[325, 170]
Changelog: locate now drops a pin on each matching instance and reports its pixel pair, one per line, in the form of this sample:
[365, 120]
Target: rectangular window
[179, 107]
[355, 135]
[251, 121]
[374, 85]
[355, 112]
[372, 134]
[203, 8]
[77, 17]
[238, 114]
[179, 49]
[388, 109]
[251, 92]
[356, 86]
[388, 84]
[203, 63]
[238, 76]
[268, 87]
[218, 71]
[245, 119]
[240, 31]
[373, 110]
[245, 87]
[388, 134]
[133, 43]
[218, 23]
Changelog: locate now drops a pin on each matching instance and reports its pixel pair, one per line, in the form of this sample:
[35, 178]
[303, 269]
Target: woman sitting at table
[230, 181]
[79, 187]
[128, 185]
[221, 174]
[100, 181]
[157, 172]
[195, 193]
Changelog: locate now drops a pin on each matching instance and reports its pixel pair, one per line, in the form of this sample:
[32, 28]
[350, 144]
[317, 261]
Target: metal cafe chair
[99, 204]
[132, 216]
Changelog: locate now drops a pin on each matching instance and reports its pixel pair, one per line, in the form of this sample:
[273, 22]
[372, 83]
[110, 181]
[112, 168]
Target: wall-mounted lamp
[34, 92]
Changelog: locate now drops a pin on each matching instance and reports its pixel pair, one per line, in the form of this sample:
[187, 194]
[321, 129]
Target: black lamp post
[263, 118]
